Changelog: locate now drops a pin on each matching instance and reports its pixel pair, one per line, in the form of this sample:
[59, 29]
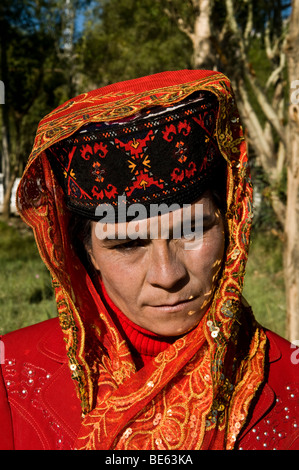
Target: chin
[174, 330]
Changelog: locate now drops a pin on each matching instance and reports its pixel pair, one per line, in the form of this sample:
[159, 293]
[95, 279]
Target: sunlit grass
[264, 282]
[26, 295]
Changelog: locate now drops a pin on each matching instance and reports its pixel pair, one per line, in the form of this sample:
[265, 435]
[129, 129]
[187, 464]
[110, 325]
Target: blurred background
[54, 50]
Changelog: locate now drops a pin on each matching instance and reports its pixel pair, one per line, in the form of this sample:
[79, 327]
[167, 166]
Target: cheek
[116, 274]
[206, 262]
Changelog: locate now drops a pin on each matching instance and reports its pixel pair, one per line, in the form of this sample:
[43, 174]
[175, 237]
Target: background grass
[264, 281]
[26, 295]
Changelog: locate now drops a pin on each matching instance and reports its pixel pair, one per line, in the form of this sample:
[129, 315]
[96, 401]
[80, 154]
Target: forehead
[164, 225]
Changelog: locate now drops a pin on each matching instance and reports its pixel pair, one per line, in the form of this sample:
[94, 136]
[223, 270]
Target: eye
[189, 235]
[190, 232]
[194, 231]
[130, 245]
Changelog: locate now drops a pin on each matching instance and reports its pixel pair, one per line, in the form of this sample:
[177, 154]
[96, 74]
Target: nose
[166, 268]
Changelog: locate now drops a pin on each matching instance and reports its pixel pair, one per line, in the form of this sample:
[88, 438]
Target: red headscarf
[196, 394]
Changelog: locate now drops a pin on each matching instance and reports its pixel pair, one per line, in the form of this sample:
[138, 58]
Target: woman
[160, 350]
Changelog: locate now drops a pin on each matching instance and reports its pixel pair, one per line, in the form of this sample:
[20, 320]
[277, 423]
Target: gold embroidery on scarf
[190, 394]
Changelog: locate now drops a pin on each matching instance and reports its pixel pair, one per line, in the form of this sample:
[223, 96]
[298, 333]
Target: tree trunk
[200, 34]
[203, 53]
[5, 151]
[4, 108]
[291, 255]
[7, 197]
[262, 142]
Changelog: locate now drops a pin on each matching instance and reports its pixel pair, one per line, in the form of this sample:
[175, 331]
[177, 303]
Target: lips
[175, 305]
[179, 302]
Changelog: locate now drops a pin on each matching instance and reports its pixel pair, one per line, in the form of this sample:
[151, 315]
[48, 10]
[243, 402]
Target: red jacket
[40, 410]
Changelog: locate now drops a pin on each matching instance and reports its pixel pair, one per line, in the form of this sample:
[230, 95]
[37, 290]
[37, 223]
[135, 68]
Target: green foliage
[34, 67]
[29, 55]
[127, 39]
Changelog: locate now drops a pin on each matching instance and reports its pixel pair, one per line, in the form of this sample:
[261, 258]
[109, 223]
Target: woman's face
[164, 285]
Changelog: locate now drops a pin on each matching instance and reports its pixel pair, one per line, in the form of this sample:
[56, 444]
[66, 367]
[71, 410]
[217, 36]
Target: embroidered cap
[162, 155]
